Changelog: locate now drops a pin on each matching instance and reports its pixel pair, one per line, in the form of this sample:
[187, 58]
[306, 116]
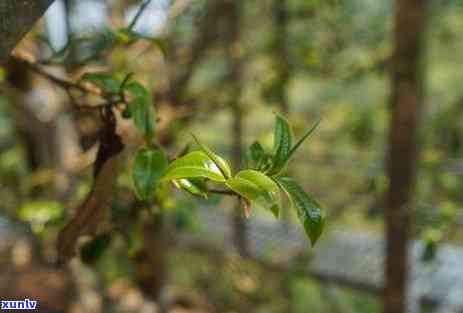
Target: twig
[123, 84]
[138, 15]
[223, 192]
[63, 83]
[68, 86]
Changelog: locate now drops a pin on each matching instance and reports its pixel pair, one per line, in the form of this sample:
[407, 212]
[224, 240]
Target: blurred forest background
[220, 69]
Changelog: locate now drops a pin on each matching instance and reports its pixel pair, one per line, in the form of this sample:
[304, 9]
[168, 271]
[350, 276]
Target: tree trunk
[406, 104]
[280, 16]
[280, 22]
[16, 19]
[232, 8]
[239, 223]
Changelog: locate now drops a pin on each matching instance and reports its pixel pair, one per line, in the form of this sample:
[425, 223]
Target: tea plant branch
[138, 15]
[69, 86]
[223, 192]
[61, 82]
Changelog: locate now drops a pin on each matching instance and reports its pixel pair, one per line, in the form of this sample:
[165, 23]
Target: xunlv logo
[19, 305]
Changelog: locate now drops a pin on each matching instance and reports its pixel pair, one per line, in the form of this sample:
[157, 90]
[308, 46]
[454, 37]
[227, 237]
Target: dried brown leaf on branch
[91, 214]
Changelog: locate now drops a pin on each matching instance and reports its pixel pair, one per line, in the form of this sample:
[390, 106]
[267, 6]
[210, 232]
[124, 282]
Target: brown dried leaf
[90, 215]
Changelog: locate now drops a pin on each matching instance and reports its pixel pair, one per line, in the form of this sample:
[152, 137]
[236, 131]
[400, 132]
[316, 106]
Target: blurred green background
[309, 59]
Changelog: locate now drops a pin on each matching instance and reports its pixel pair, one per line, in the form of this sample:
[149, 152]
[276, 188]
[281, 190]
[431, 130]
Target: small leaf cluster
[135, 99]
[261, 183]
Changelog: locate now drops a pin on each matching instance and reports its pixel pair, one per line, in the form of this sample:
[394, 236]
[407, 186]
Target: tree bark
[280, 23]
[280, 47]
[232, 8]
[280, 16]
[16, 18]
[406, 104]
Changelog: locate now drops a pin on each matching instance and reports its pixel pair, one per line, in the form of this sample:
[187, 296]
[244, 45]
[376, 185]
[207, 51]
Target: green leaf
[257, 187]
[257, 151]
[255, 155]
[308, 210]
[261, 180]
[283, 136]
[193, 171]
[143, 116]
[283, 141]
[194, 158]
[109, 82]
[304, 137]
[266, 163]
[141, 109]
[148, 168]
[244, 188]
[137, 90]
[221, 163]
[194, 186]
[194, 164]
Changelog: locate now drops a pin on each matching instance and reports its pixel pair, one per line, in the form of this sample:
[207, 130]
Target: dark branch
[223, 192]
[69, 86]
[138, 14]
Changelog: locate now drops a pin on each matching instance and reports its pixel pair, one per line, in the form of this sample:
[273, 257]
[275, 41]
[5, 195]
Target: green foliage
[148, 167]
[303, 138]
[108, 82]
[308, 210]
[339, 56]
[223, 166]
[193, 165]
[255, 155]
[283, 148]
[260, 184]
[257, 187]
[195, 186]
[282, 144]
[141, 109]
[138, 100]
[257, 158]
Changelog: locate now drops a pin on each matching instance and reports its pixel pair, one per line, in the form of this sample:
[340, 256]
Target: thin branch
[68, 86]
[223, 192]
[138, 15]
[61, 82]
